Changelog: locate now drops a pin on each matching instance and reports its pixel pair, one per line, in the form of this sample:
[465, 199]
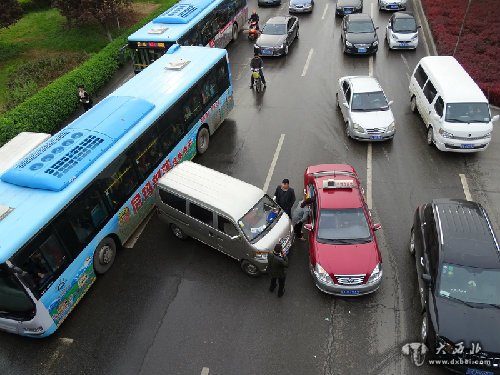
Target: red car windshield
[343, 226]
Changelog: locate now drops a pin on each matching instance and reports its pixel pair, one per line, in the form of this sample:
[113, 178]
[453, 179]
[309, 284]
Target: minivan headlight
[376, 275]
[445, 134]
[322, 276]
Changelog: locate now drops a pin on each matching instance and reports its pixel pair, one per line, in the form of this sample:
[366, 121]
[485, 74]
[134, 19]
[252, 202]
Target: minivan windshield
[467, 112]
[369, 101]
[470, 284]
[258, 220]
[343, 226]
[14, 301]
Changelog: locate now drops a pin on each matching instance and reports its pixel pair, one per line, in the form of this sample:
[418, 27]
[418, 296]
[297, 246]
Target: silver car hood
[373, 119]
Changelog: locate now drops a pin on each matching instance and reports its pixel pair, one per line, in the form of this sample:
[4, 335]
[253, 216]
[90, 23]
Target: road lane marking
[273, 163]
[324, 12]
[66, 340]
[304, 71]
[370, 66]
[405, 62]
[465, 186]
[204, 371]
[371, 10]
[369, 176]
[243, 68]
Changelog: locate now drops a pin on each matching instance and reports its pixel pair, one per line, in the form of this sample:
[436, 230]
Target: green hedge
[49, 109]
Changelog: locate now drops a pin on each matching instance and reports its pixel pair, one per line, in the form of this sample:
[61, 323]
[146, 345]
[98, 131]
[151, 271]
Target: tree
[106, 12]
[10, 12]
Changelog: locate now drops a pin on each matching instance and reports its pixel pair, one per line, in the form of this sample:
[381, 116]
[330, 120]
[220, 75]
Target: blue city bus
[210, 23]
[70, 203]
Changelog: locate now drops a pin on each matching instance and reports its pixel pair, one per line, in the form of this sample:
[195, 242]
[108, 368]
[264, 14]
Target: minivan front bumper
[461, 146]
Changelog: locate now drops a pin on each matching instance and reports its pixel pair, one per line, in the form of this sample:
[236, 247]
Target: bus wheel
[235, 32]
[104, 255]
[250, 269]
[202, 140]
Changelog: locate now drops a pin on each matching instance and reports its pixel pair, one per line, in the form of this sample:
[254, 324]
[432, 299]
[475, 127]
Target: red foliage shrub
[479, 44]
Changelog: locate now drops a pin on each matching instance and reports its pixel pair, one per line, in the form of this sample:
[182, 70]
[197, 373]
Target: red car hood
[353, 259]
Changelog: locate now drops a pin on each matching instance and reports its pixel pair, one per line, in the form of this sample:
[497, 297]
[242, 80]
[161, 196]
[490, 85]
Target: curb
[425, 27]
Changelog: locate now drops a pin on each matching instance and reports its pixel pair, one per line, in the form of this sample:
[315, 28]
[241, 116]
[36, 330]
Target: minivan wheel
[178, 232]
[249, 268]
[202, 140]
[413, 104]
[424, 329]
[430, 136]
[412, 242]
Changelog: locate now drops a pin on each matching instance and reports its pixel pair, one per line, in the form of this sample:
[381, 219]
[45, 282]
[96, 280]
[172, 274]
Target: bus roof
[108, 128]
[18, 147]
[452, 80]
[225, 193]
[174, 22]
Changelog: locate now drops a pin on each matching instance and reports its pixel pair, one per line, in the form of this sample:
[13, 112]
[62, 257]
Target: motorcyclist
[254, 18]
[256, 63]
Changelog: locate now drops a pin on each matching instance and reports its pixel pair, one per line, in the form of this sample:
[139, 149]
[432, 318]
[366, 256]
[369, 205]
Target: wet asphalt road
[179, 307]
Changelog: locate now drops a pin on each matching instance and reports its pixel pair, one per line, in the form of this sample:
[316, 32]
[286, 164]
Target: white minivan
[232, 216]
[453, 107]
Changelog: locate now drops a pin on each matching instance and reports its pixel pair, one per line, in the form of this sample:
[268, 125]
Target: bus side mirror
[308, 227]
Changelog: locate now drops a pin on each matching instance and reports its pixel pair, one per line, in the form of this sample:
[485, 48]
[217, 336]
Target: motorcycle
[253, 30]
[257, 81]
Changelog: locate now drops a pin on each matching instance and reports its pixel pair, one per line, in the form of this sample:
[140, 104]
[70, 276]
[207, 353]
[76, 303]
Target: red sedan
[343, 253]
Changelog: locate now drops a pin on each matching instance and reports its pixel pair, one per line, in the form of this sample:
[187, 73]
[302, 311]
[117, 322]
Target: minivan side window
[201, 214]
[439, 106]
[226, 226]
[173, 200]
[430, 91]
[420, 76]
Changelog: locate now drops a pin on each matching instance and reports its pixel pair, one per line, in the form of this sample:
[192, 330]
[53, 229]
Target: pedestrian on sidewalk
[277, 263]
[285, 196]
[300, 216]
[84, 98]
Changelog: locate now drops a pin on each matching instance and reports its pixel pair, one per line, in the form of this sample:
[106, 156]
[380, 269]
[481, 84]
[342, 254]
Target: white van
[453, 107]
[223, 212]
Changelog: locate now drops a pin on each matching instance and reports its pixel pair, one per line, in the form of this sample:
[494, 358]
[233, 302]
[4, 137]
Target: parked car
[344, 258]
[367, 113]
[344, 7]
[392, 4]
[402, 31]
[268, 2]
[359, 34]
[301, 6]
[458, 271]
[277, 35]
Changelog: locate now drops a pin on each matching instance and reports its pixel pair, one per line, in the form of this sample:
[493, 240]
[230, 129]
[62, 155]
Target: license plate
[376, 137]
[267, 52]
[393, 7]
[466, 146]
[362, 50]
[473, 371]
[347, 11]
[403, 43]
[349, 292]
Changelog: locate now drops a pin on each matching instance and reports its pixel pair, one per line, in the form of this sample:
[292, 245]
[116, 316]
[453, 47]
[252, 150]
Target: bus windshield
[257, 221]
[14, 301]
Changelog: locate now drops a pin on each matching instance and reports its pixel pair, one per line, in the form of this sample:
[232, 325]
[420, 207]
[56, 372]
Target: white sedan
[366, 111]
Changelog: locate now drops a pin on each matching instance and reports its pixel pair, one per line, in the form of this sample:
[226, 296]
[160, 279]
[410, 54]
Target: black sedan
[358, 34]
[344, 7]
[277, 35]
[458, 273]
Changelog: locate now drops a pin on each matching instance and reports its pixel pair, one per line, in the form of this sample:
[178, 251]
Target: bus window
[147, 152]
[14, 301]
[119, 180]
[43, 260]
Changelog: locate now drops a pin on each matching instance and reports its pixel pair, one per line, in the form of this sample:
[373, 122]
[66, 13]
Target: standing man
[84, 98]
[277, 263]
[300, 216]
[285, 196]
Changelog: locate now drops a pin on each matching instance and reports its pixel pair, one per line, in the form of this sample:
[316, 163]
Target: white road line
[465, 185]
[405, 62]
[66, 340]
[304, 71]
[371, 10]
[324, 12]
[243, 69]
[204, 371]
[370, 66]
[369, 176]
[273, 163]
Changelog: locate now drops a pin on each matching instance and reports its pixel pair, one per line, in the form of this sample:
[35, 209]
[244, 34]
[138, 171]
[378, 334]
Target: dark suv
[457, 257]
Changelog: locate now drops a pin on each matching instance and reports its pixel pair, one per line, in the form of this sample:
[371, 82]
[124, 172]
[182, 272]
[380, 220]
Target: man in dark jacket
[285, 196]
[256, 63]
[277, 263]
